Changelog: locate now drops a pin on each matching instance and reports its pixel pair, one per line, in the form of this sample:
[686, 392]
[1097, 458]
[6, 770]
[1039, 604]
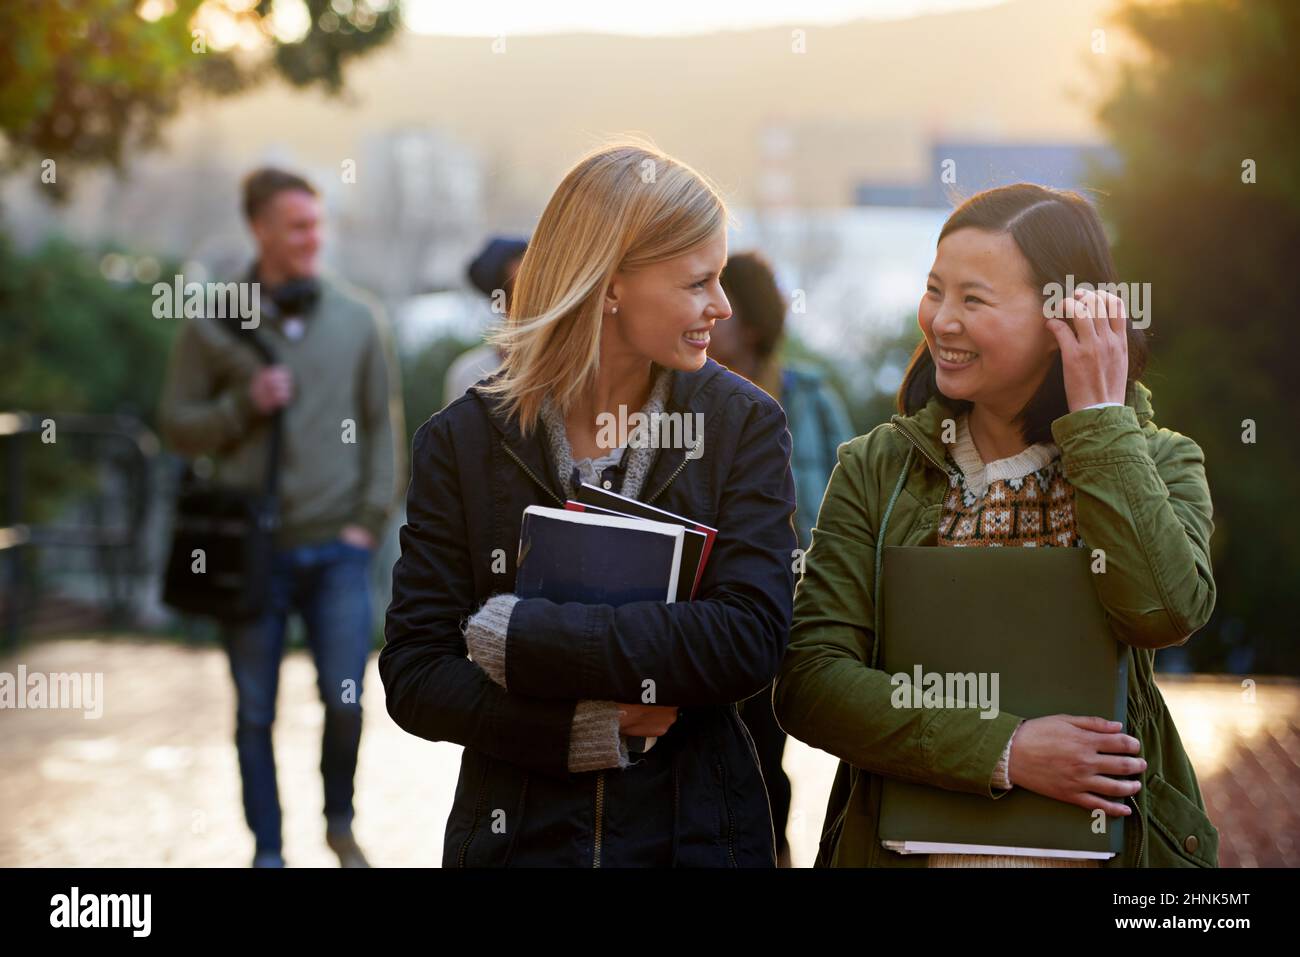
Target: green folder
[1030, 617]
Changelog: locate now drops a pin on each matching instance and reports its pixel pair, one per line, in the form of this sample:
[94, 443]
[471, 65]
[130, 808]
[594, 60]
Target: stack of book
[603, 548]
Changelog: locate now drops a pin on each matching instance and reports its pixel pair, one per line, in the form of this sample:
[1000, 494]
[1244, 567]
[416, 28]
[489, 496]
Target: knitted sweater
[1022, 500]
[594, 740]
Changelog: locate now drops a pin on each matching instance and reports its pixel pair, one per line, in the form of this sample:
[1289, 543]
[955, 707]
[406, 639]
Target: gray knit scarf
[637, 461]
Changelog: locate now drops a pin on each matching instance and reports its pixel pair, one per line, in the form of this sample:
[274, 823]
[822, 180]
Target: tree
[1206, 208]
[74, 340]
[81, 81]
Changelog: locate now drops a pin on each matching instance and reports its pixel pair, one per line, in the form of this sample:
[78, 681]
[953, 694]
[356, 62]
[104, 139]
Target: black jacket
[697, 797]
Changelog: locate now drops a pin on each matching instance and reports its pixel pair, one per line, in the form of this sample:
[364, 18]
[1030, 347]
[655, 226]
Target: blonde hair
[622, 206]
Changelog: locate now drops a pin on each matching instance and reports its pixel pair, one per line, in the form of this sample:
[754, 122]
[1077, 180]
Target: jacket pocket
[1180, 833]
[495, 816]
[728, 823]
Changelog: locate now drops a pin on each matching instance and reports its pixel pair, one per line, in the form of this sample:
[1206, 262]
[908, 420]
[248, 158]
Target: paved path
[154, 781]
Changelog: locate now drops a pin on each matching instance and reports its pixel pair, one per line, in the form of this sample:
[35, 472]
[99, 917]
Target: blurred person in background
[749, 345]
[492, 272]
[337, 486]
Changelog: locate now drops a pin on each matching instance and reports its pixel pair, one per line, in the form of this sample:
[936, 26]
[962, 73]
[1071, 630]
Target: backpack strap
[258, 344]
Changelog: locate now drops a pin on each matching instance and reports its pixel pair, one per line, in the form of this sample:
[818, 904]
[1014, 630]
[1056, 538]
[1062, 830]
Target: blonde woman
[611, 313]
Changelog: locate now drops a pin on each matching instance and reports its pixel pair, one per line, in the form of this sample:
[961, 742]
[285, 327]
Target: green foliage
[1217, 88]
[83, 80]
[334, 39]
[423, 375]
[73, 342]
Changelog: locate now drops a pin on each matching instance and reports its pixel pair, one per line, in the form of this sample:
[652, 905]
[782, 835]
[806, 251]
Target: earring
[614, 310]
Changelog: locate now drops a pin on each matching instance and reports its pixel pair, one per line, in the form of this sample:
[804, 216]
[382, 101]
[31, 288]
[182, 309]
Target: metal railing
[120, 450]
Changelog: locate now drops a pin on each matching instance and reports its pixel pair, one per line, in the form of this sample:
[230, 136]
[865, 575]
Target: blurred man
[340, 476]
[493, 273]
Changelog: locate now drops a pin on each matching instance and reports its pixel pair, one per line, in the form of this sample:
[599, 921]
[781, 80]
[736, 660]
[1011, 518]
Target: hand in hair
[1094, 348]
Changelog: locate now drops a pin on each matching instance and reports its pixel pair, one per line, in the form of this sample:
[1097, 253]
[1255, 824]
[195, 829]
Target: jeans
[327, 584]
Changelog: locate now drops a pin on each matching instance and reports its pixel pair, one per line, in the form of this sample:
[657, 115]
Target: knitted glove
[595, 741]
[485, 635]
[594, 738]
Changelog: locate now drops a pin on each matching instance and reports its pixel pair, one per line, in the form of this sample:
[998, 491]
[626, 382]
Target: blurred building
[413, 215]
[977, 165]
[820, 162]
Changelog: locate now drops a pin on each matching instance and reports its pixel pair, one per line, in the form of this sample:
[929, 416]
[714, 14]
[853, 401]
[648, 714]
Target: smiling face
[288, 233]
[983, 322]
[666, 310]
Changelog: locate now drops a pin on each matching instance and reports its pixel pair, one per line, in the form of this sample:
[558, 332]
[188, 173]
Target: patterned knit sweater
[1022, 500]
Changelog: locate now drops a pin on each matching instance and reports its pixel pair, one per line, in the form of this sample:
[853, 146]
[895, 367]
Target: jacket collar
[688, 394]
[925, 427]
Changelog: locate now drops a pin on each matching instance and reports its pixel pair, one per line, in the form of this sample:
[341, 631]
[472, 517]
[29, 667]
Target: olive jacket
[1141, 496]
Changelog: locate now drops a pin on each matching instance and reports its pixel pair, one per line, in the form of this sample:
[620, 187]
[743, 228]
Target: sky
[662, 17]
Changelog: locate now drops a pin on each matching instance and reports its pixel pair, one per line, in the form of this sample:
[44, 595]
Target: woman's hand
[645, 720]
[1071, 758]
[1094, 348]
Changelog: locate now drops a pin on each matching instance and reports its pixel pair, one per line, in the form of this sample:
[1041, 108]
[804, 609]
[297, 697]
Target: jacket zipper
[677, 808]
[1142, 832]
[600, 817]
[540, 484]
[478, 808]
[668, 481]
[600, 775]
[917, 445]
[758, 765]
[676, 784]
[731, 824]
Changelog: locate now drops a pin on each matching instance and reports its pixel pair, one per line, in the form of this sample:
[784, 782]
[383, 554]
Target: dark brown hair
[1060, 234]
[263, 185]
[750, 285]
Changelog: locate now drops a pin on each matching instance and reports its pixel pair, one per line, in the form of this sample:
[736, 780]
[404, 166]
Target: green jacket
[1140, 494]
